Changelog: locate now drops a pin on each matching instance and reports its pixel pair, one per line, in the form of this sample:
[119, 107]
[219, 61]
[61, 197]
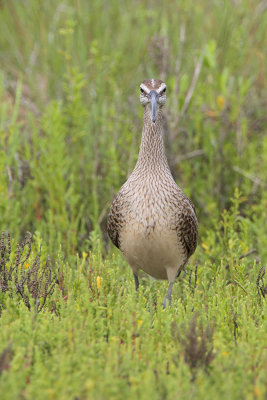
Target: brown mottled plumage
[151, 220]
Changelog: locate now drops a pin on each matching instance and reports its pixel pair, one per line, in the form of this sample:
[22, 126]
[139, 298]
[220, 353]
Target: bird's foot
[164, 303]
[168, 296]
[136, 281]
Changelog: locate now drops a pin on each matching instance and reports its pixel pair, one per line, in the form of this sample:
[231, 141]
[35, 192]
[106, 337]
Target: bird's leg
[168, 296]
[136, 281]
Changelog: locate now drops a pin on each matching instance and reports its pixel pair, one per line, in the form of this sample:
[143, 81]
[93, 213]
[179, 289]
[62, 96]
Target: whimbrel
[151, 220]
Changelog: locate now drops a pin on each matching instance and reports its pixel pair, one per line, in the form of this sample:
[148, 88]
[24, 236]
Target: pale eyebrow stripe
[142, 86]
[162, 87]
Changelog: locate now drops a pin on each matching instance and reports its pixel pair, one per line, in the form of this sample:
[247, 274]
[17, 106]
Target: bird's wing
[115, 221]
[189, 233]
[187, 226]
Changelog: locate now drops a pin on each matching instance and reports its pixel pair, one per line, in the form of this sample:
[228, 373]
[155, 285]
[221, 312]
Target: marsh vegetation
[71, 324]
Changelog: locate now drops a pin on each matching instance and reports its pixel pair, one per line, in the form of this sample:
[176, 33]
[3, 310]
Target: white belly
[156, 251]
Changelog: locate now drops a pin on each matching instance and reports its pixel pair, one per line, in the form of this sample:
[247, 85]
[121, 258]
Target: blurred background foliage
[70, 117]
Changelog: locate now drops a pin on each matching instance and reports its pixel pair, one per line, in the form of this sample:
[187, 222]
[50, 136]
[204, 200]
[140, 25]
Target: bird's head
[153, 96]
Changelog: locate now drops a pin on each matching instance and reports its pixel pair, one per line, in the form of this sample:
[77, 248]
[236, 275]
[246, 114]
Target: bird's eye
[142, 91]
[164, 90]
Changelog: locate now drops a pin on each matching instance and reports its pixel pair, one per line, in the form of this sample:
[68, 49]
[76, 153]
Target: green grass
[70, 123]
[103, 340]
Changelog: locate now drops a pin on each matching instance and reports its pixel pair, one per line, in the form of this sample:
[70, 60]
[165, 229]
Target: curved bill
[153, 100]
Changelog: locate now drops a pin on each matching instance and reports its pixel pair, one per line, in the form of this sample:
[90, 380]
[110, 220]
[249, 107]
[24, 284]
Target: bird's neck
[151, 153]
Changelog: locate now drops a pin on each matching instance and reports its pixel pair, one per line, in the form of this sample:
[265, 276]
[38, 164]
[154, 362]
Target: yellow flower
[85, 255]
[205, 247]
[257, 391]
[98, 282]
[139, 322]
[220, 101]
[224, 353]
[27, 266]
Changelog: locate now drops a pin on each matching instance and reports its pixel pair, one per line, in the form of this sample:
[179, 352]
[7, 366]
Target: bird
[151, 221]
